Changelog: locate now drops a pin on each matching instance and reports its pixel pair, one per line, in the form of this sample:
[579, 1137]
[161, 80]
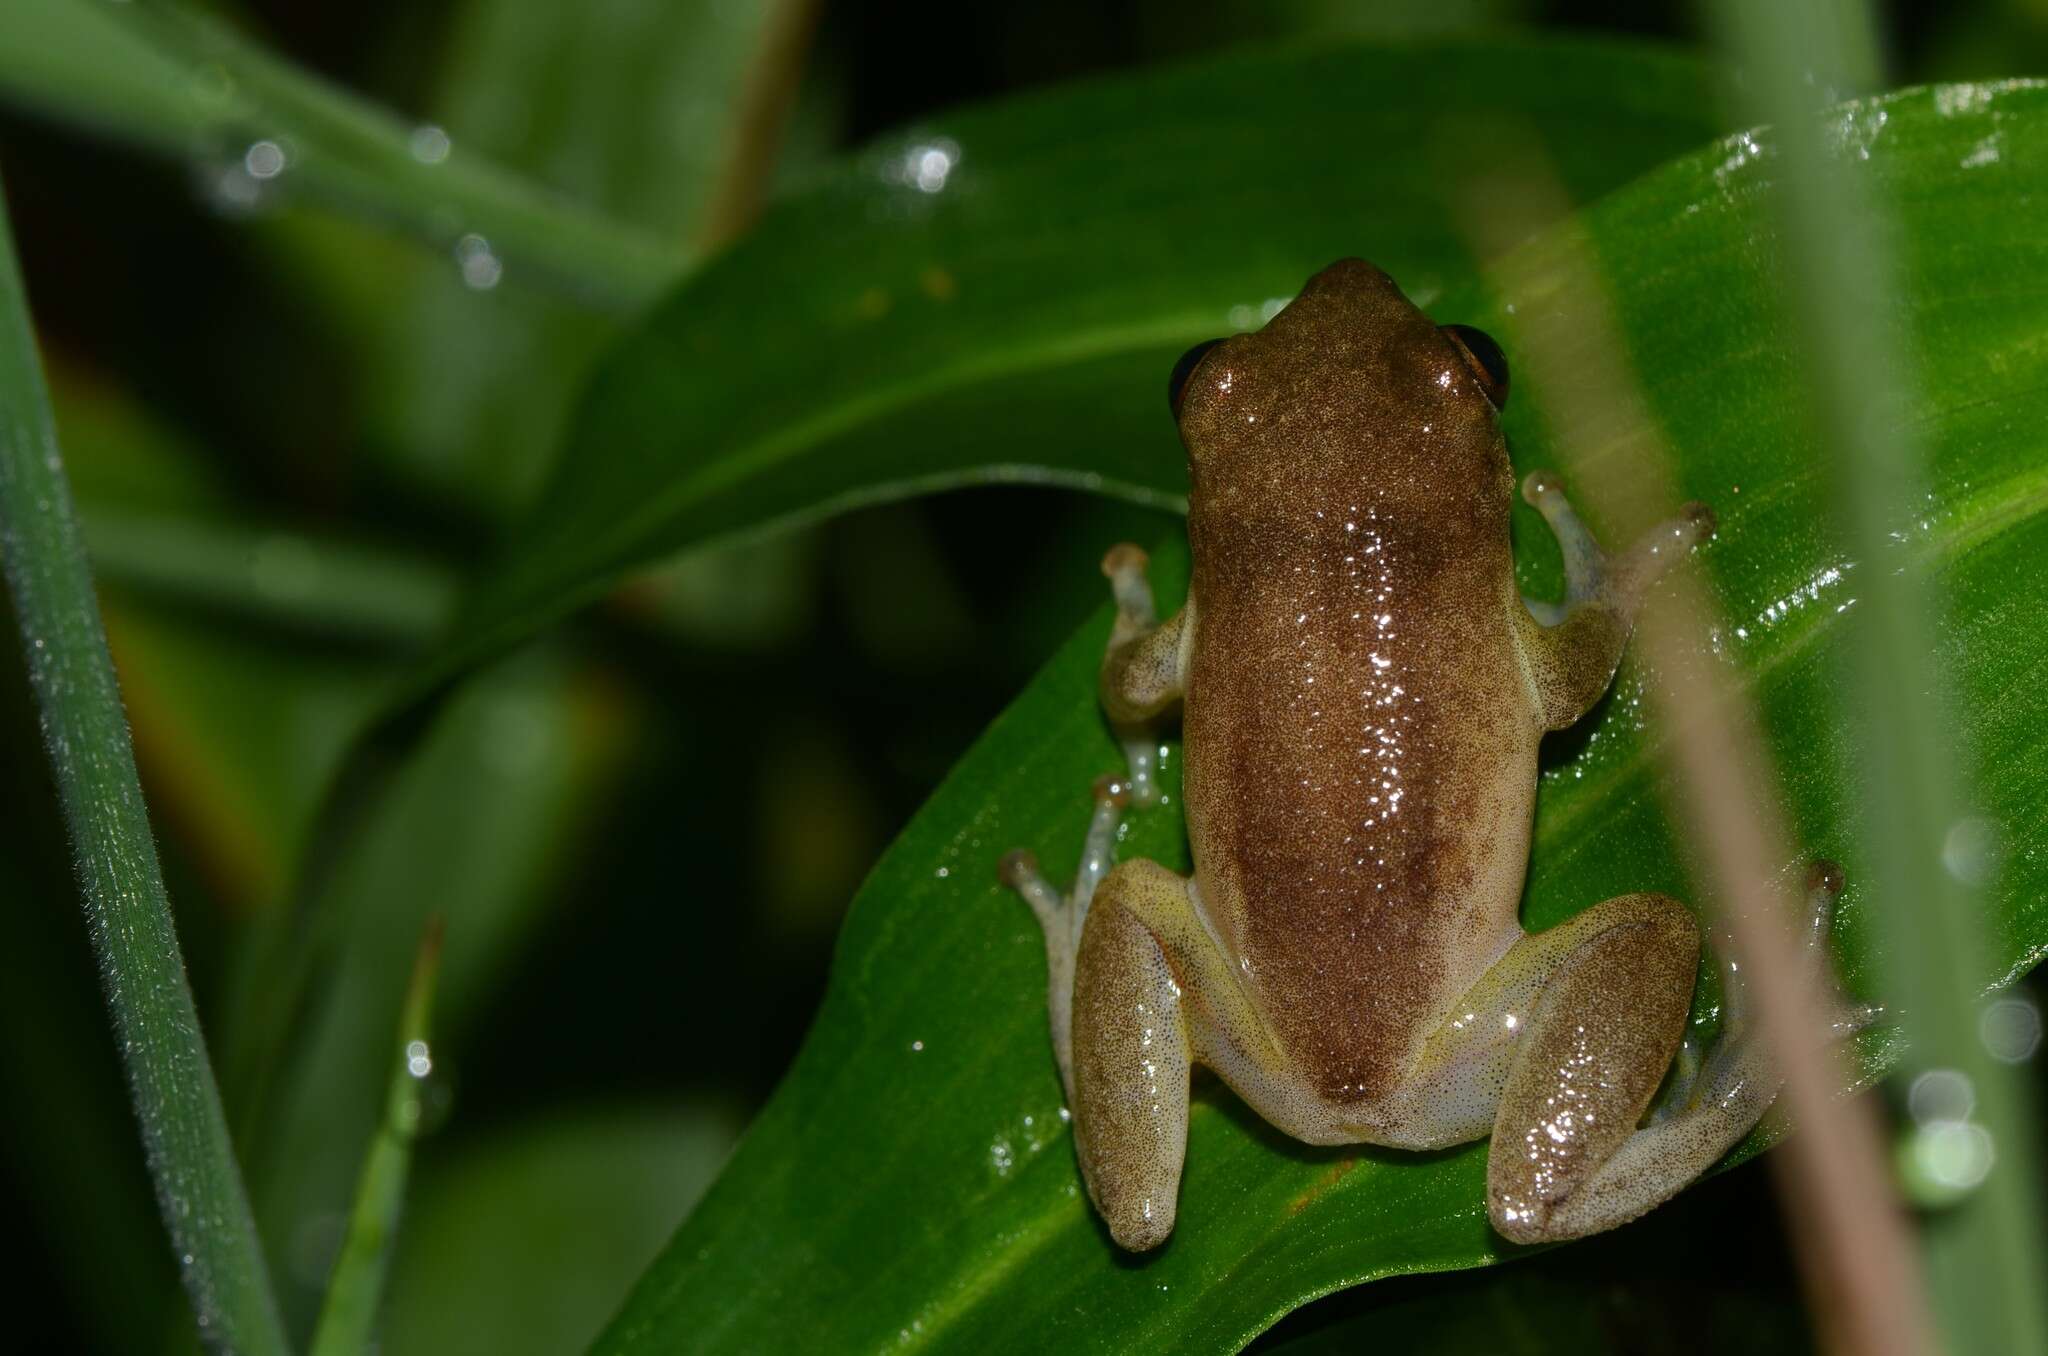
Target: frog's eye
[1182, 370]
[1485, 359]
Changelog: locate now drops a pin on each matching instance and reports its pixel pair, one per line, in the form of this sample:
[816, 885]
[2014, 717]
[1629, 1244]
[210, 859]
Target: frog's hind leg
[1063, 917]
[1131, 1055]
[1572, 1152]
[1140, 992]
[1118, 1031]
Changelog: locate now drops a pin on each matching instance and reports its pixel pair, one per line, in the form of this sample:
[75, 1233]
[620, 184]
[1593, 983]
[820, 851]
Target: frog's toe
[1018, 866]
[1540, 483]
[1019, 871]
[1737, 1068]
[1142, 1234]
[1824, 881]
[1113, 791]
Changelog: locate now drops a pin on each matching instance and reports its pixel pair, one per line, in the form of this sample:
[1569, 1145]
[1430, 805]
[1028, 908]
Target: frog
[1362, 690]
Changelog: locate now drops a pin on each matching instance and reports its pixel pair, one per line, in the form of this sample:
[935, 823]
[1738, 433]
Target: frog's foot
[1591, 575]
[1136, 613]
[1597, 1005]
[1735, 1071]
[1062, 916]
[1142, 670]
[1573, 1151]
[1574, 646]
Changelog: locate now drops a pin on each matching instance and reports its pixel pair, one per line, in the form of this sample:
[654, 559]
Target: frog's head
[1349, 385]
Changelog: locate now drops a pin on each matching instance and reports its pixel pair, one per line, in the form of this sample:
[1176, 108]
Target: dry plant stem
[1857, 1254]
[764, 107]
[1856, 1246]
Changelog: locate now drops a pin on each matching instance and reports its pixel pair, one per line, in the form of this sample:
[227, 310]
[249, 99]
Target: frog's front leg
[1574, 647]
[1144, 670]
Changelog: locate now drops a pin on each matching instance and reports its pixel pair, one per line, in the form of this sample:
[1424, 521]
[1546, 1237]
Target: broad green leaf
[998, 295]
[912, 1184]
[785, 357]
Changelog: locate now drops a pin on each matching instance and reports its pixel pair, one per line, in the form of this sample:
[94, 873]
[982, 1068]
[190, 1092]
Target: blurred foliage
[298, 435]
[605, 1187]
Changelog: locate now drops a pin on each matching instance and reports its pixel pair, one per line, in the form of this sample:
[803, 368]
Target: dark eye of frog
[1182, 370]
[1485, 359]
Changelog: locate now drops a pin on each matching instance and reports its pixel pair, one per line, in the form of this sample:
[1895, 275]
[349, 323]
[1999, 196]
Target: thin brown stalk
[765, 104]
[1855, 1247]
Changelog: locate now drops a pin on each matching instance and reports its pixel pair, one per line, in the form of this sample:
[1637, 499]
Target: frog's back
[1360, 749]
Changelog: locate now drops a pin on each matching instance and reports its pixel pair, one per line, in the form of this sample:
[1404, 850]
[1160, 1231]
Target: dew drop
[264, 160]
[479, 264]
[430, 145]
[2011, 1030]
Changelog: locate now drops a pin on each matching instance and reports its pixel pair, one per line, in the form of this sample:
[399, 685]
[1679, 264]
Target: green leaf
[179, 82]
[479, 824]
[912, 1184]
[184, 1133]
[67, 1103]
[626, 108]
[469, 1276]
[998, 296]
[348, 1315]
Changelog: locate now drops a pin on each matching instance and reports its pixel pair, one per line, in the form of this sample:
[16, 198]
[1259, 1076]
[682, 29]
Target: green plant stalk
[1987, 1258]
[184, 1133]
[184, 83]
[349, 1313]
[273, 574]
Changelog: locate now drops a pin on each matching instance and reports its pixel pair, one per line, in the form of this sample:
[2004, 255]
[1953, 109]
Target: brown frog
[1362, 692]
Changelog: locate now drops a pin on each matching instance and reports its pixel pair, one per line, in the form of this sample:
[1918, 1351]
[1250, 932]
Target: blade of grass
[1987, 1257]
[273, 574]
[485, 822]
[180, 82]
[627, 108]
[1857, 1253]
[350, 1311]
[184, 1133]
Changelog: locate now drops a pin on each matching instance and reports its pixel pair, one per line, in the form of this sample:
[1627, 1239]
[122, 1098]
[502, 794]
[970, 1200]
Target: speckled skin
[1363, 692]
[1359, 730]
